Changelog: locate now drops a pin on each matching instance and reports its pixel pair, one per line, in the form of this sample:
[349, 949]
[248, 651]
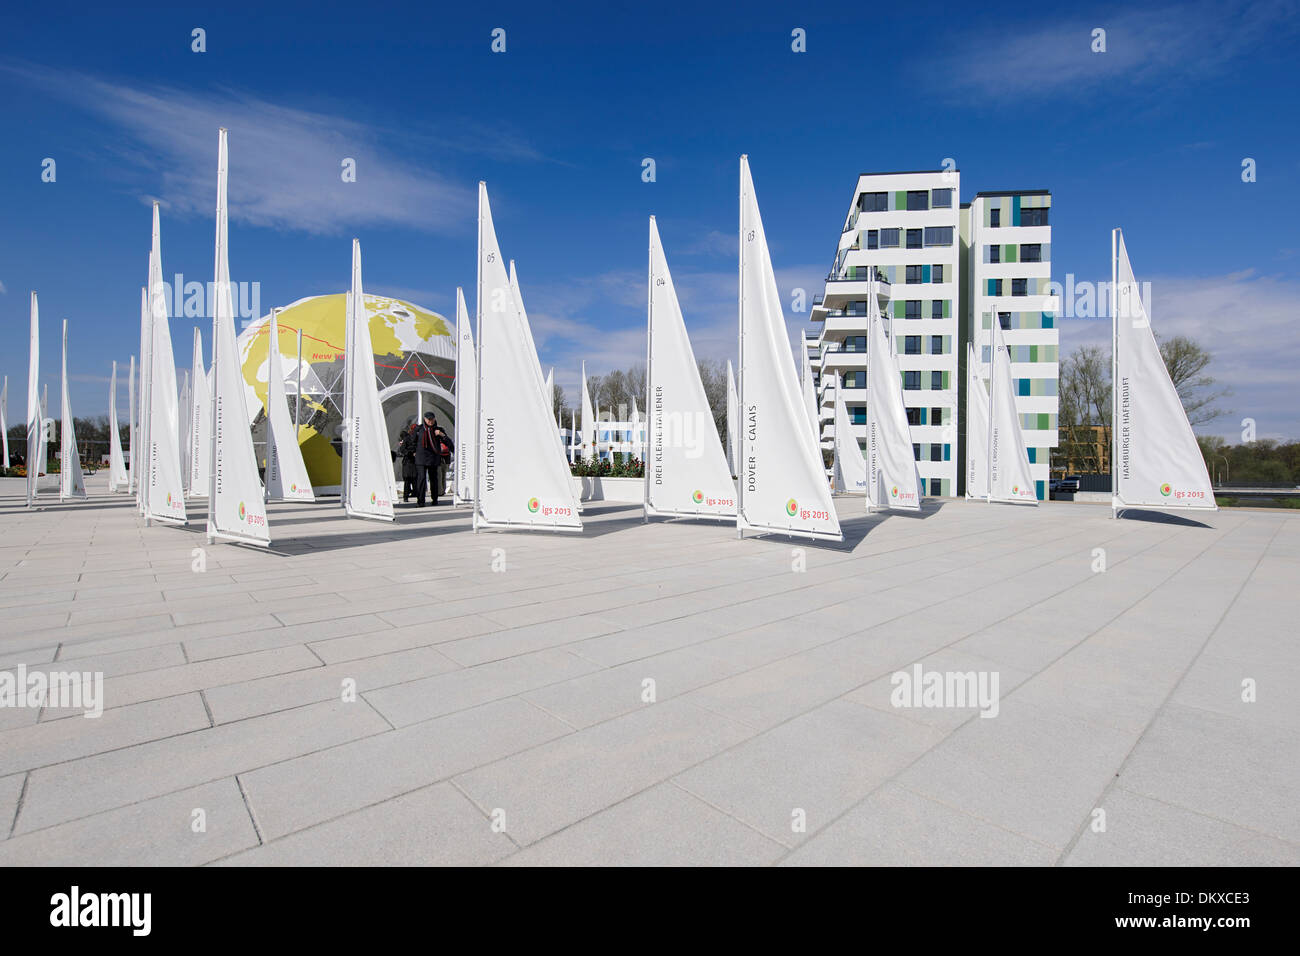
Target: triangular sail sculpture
[184, 419]
[142, 400]
[117, 479]
[72, 483]
[165, 500]
[1009, 476]
[466, 393]
[35, 423]
[588, 441]
[131, 432]
[368, 484]
[286, 474]
[892, 479]
[200, 430]
[1156, 460]
[549, 392]
[733, 423]
[977, 428]
[686, 473]
[521, 481]
[850, 468]
[236, 510]
[783, 485]
[4, 422]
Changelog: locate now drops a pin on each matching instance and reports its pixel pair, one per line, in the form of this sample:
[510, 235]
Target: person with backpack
[429, 447]
[406, 450]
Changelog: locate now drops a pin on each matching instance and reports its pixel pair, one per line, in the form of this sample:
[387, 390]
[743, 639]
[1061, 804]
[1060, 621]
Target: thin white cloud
[286, 164]
[1143, 46]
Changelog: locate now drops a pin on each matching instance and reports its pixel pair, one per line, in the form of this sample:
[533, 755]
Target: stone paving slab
[653, 693]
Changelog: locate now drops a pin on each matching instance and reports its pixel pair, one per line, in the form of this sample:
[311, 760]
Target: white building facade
[1007, 244]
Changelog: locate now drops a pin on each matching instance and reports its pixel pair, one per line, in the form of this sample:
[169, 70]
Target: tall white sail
[47, 435]
[1157, 462]
[184, 421]
[131, 431]
[466, 393]
[1009, 475]
[165, 500]
[588, 424]
[892, 478]
[809, 392]
[783, 485]
[733, 422]
[142, 400]
[368, 489]
[549, 391]
[236, 510]
[850, 470]
[72, 483]
[4, 422]
[977, 428]
[286, 474]
[200, 414]
[117, 480]
[686, 472]
[521, 481]
[35, 422]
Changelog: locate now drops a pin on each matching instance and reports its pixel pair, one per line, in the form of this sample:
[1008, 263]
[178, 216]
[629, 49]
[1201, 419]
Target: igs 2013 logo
[241, 511]
[698, 497]
[1166, 489]
[893, 492]
[533, 505]
[791, 507]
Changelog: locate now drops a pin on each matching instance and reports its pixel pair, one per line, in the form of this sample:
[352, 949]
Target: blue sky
[1149, 135]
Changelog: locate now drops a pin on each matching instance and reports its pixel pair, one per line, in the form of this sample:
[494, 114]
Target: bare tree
[1186, 362]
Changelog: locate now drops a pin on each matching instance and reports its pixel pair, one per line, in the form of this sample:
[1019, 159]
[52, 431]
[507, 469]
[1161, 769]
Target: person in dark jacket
[406, 449]
[428, 458]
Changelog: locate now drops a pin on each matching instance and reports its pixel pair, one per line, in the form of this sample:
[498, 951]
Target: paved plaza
[653, 694]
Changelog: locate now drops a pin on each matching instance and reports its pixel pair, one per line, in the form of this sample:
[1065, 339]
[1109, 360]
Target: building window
[936, 272]
[873, 238]
[911, 379]
[858, 414]
[913, 274]
[995, 254]
[913, 416]
[912, 345]
[936, 381]
[916, 452]
[914, 238]
[937, 235]
[1020, 287]
[855, 379]
[1033, 217]
[936, 416]
[936, 345]
[889, 238]
[1004, 320]
[936, 453]
[995, 217]
[874, 202]
[995, 286]
[936, 308]
[941, 198]
[1031, 252]
[855, 343]
[913, 308]
[918, 200]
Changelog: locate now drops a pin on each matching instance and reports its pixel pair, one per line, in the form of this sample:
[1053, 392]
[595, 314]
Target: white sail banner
[117, 478]
[183, 432]
[131, 430]
[72, 483]
[368, 484]
[549, 392]
[286, 473]
[587, 443]
[466, 393]
[892, 478]
[1158, 462]
[783, 486]
[236, 509]
[200, 430]
[35, 424]
[165, 500]
[1009, 476]
[142, 400]
[977, 428]
[733, 422]
[809, 392]
[4, 422]
[685, 466]
[521, 481]
[850, 465]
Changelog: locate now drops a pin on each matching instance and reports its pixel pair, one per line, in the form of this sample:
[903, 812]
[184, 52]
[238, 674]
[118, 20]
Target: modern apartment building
[1006, 240]
[904, 229]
